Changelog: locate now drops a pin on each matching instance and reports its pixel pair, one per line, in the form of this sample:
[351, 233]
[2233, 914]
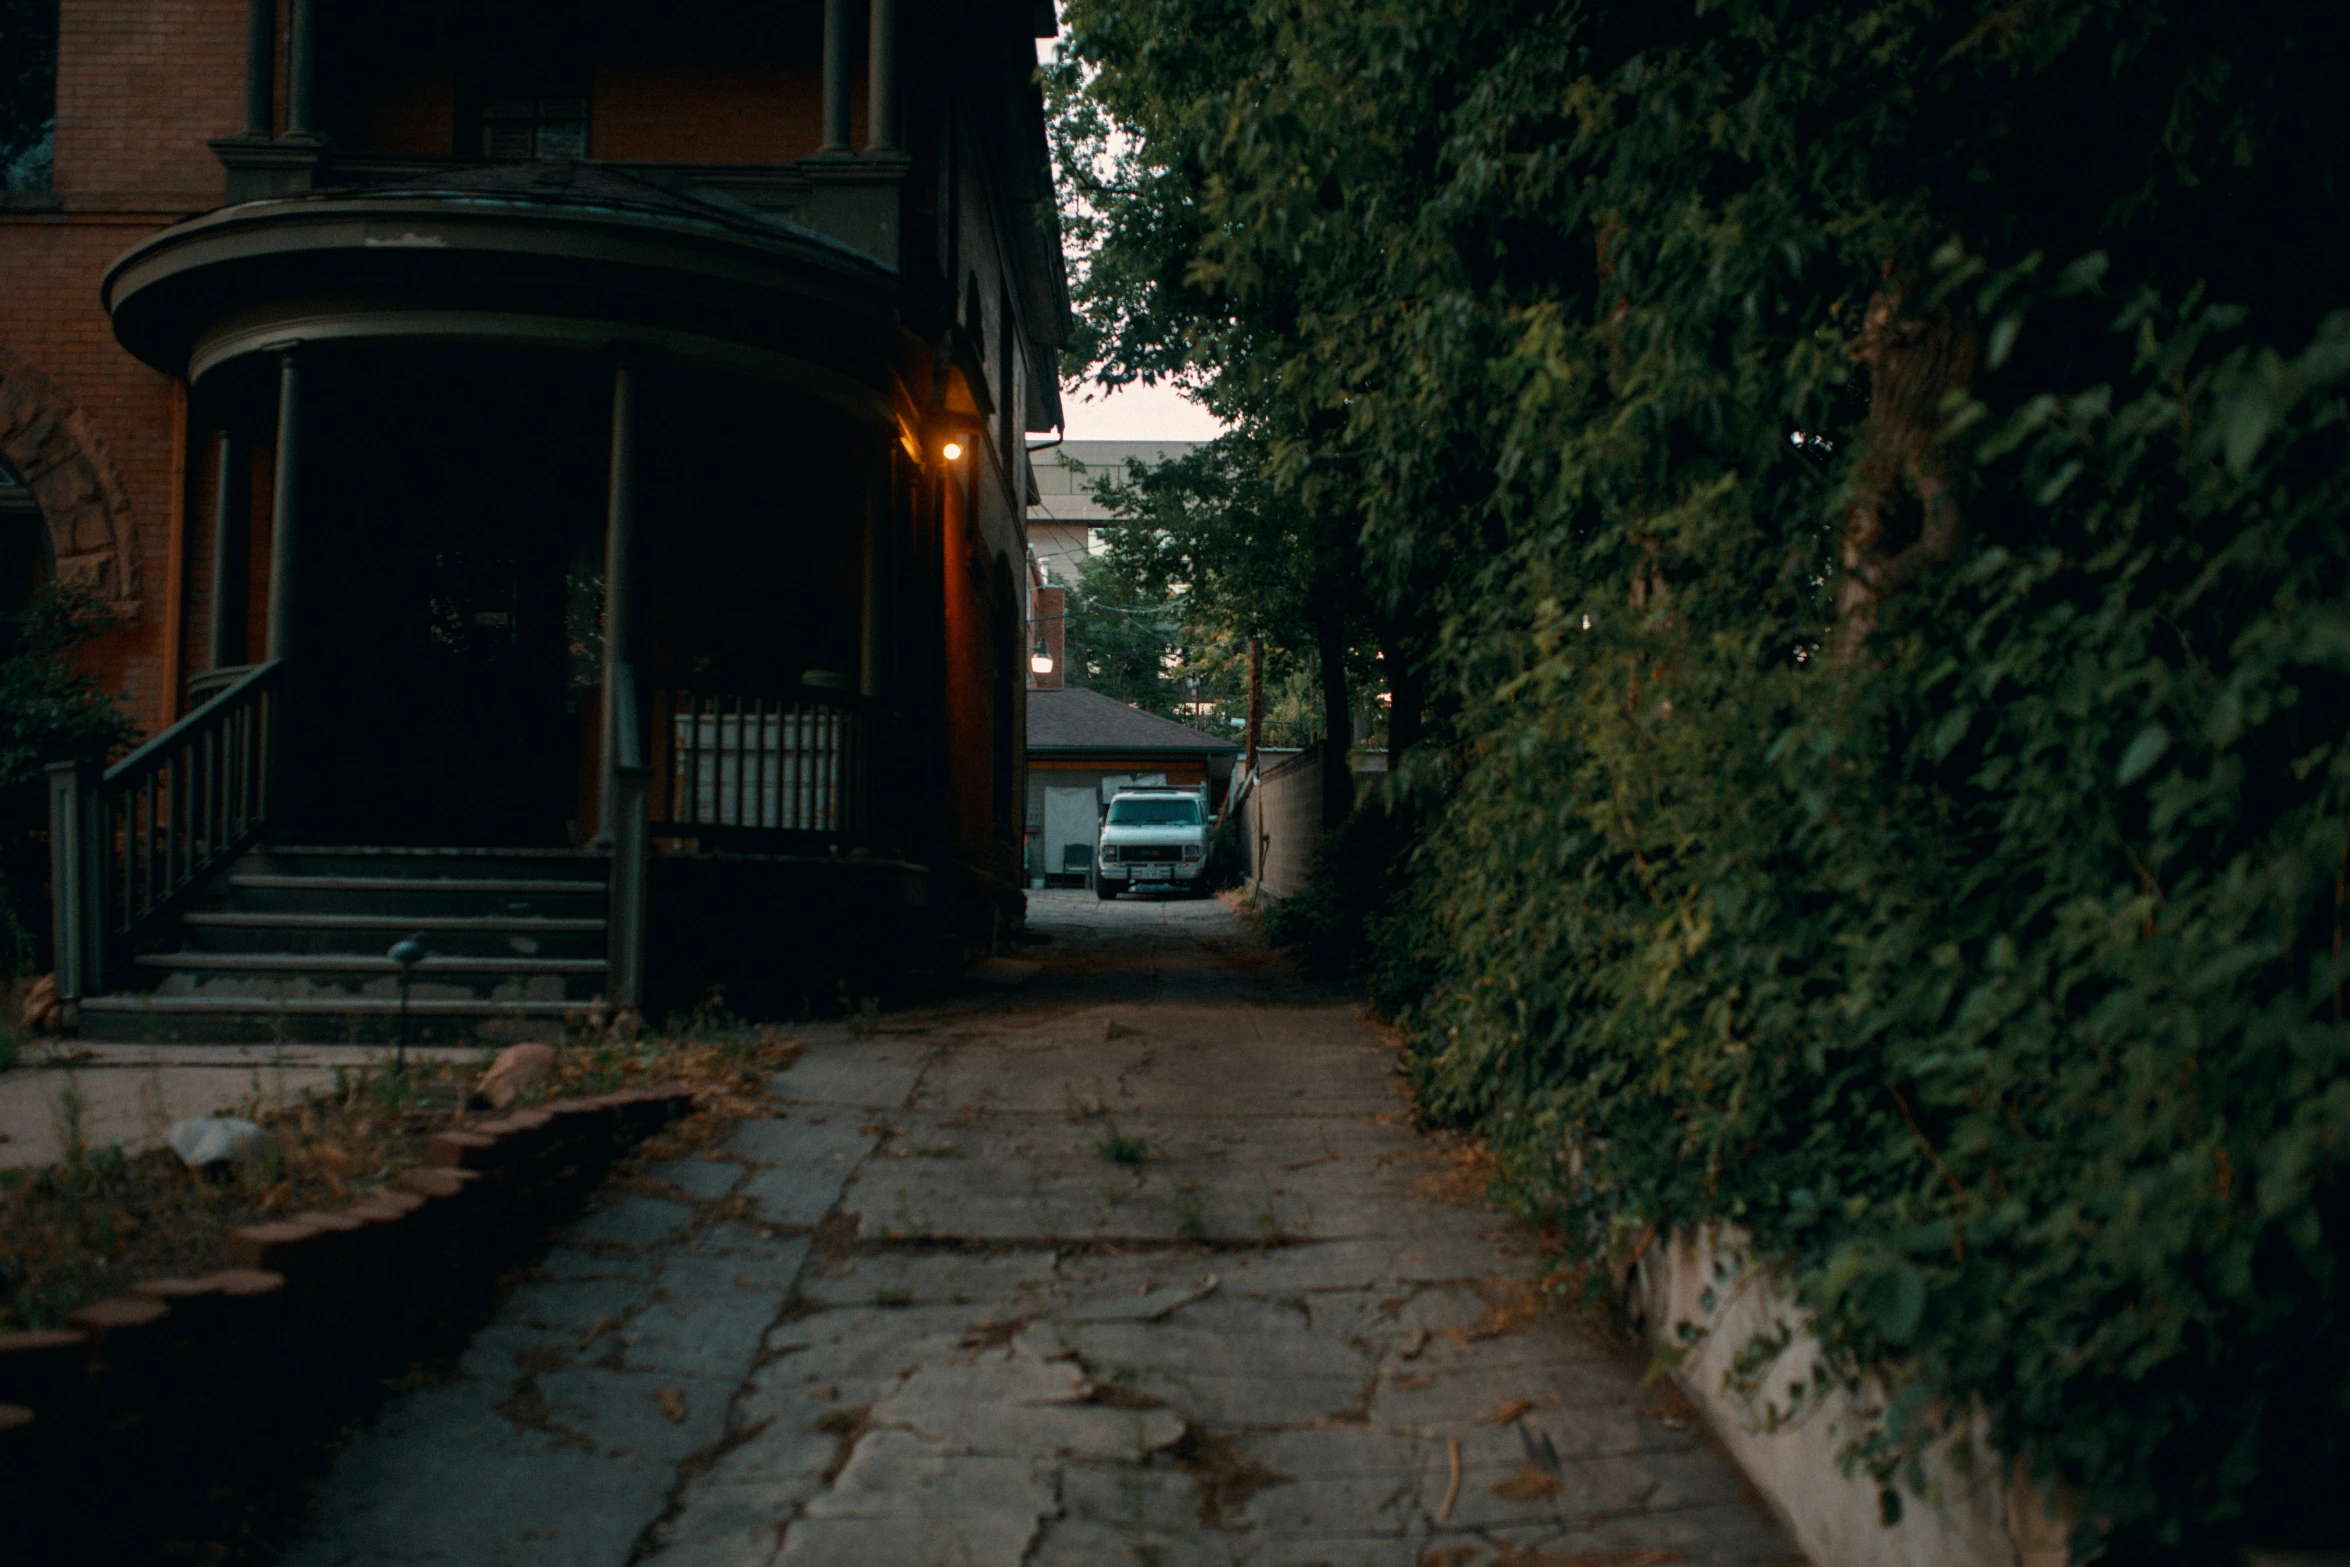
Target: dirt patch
[1225, 1474]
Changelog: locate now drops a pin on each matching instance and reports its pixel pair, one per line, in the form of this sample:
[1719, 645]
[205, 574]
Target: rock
[519, 1070]
[216, 1139]
[43, 1012]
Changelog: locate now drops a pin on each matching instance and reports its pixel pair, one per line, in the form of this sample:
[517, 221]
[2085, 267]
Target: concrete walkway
[1131, 1259]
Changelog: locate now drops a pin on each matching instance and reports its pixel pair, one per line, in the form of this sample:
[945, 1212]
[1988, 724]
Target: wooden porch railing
[127, 846]
[751, 770]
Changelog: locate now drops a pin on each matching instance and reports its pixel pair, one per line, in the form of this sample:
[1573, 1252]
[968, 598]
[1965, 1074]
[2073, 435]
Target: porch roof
[1077, 722]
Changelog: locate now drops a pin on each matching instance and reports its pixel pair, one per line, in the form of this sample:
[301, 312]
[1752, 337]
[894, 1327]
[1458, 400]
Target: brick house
[556, 476]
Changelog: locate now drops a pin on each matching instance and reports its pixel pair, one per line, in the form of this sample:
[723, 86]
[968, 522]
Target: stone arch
[64, 460]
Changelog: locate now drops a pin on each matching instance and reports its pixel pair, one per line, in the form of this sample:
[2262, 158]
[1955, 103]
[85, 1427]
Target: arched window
[24, 547]
[1009, 668]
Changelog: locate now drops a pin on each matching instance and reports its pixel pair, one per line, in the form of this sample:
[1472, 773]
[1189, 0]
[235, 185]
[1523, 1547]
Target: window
[24, 547]
[1006, 395]
[1174, 811]
[28, 94]
[514, 128]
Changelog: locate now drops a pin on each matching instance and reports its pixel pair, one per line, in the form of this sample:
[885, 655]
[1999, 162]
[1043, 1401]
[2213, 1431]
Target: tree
[1864, 486]
[1211, 532]
[48, 714]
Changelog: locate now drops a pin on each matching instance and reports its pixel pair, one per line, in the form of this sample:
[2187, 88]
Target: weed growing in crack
[1117, 1148]
[1191, 1212]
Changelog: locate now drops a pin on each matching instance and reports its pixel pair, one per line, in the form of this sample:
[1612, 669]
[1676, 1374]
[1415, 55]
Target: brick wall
[755, 112]
[140, 87]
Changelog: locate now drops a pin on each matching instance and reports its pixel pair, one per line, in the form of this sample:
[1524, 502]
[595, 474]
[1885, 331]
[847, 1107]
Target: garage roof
[1086, 723]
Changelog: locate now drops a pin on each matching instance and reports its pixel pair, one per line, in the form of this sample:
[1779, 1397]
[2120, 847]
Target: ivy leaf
[1951, 730]
[2143, 753]
[1897, 1303]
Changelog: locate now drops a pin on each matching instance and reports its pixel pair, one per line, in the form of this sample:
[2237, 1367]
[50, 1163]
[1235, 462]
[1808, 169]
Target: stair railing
[128, 846]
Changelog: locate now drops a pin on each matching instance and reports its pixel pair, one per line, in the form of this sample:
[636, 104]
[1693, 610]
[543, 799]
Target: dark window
[1007, 395]
[28, 93]
[539, 126]
[1007, 695]
[24, 549]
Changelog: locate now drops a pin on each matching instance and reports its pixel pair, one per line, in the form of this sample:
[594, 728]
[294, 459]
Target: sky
[1134, 413]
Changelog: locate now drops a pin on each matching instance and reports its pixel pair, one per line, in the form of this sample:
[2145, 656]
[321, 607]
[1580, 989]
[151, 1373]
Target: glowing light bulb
[952, 451]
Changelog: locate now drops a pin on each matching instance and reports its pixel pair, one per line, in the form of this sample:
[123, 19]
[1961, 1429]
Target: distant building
[1065, 512]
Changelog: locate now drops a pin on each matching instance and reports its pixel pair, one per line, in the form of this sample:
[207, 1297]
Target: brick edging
[181, 1386]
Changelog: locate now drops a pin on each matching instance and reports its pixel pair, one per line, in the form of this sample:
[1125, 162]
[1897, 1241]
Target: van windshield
[1171, 812]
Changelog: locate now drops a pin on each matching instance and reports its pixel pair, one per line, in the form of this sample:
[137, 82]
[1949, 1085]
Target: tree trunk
[1404, 701]
[1903, 512]
[1338, 785]
[1256, 700]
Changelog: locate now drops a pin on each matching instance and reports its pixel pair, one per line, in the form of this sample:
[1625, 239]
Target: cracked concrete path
[1131, 1259]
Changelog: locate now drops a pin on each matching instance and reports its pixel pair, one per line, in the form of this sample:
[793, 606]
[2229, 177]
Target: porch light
[1040, 661]
[952, 451]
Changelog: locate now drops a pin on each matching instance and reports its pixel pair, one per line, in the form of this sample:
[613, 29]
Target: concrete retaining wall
[1281, 822]
[1984, 1518]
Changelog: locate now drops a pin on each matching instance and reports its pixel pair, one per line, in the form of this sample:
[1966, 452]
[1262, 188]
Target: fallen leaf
[595, 1330]
[672, 1403]
[1503, 1413]
[1528, 1485]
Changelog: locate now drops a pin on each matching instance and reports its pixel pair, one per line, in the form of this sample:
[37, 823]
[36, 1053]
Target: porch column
[627, 777]
[881, 86]
[285, 512]
[302, 71]
[620, 585]
[232, 533]
[260, 68]
[837, 44]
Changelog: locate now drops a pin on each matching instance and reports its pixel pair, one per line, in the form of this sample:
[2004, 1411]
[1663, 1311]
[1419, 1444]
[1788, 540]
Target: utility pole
[1256, 700]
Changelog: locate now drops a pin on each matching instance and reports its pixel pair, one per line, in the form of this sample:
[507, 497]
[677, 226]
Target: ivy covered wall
[1861, 488]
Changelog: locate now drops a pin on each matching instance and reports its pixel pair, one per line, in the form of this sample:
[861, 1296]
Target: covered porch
[579, 521]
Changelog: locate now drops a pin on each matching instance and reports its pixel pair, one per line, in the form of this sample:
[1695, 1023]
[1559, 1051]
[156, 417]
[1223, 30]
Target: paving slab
[1135, 1261]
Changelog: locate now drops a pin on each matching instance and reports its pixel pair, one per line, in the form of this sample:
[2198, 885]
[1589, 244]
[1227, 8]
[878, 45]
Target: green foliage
[1118, 640]
[48, 714]
[1864, 485]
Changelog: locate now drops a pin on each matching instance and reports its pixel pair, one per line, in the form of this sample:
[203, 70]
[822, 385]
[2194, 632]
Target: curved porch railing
[129, 845]
[749, 770]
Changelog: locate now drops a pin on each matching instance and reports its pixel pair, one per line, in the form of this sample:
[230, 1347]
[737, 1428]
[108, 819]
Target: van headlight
[1109, 854]
[1193, 853]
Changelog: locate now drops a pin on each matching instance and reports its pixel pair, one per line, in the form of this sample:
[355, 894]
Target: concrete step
[358, 963]
[214, 1019]
[369, 934]
[487, 886]
[402, 863]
